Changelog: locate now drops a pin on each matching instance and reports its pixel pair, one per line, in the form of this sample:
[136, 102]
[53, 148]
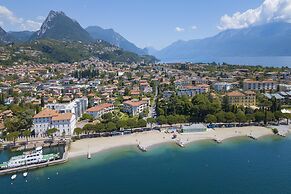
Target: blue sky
[155, 23]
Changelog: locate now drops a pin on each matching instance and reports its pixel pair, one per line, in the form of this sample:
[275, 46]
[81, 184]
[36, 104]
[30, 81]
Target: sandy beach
[152, 138]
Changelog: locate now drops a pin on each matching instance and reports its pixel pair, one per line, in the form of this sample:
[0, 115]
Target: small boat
[13, 177]
[89, 155]
[25, 174]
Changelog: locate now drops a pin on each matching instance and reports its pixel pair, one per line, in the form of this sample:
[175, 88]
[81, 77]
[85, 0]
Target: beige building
[259, 85]
[247, 98]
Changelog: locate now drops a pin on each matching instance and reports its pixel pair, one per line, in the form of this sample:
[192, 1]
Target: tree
[131, 123]
[121, 124]
[89, 128]
[287, 116]
[210, 118]
[230, 117]
[107, 117]
[220, 116]
[100, 127]
[50, 132]
[171, 119]
[241, 117]
[162, 119]
[278, 116]
[87, 116]
[250, 117]
[13, 136]
[42, 101]
[26, 134]
[111, 126]
[259, 116]
[141, 123]
[78, 131]
[151, 121]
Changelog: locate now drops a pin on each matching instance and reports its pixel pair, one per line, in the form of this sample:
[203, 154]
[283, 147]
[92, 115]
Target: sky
[155, 23]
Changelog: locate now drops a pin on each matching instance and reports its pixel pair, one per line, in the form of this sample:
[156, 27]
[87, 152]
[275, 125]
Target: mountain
[272, 39]
[46, 51]
[5, 37]
[58, 26]
[114, 38]
[151, 50]
[21, 36]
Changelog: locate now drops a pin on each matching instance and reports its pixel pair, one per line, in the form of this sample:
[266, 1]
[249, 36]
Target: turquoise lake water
[235, 166]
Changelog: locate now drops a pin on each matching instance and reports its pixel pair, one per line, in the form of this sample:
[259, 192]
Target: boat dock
[180, 143]
[142, 148]
[252, 136]
[63, 160]
[217, 140]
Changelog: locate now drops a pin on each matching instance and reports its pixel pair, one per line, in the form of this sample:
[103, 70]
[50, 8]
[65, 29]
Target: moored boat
[13, 177]
[29, 158]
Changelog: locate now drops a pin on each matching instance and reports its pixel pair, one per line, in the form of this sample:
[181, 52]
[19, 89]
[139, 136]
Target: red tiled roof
[134, 103]
[99, 107]
[46, 113]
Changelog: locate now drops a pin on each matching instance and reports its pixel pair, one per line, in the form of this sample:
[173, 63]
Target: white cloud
[268, 11]
[194, 27]
[179, 29]
[9, 19]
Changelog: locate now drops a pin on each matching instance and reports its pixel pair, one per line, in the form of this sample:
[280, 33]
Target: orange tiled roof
[61, 117]
[99, 107]
[235, 93]
[134, 103]
[46, 113]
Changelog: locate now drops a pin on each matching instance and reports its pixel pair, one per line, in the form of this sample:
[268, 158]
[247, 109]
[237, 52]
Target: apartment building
[134, 107]
[247, 98]
[259, 85]
[98, 111]
[48, 118]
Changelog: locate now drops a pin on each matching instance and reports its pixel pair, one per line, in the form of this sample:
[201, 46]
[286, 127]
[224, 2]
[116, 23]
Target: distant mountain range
[272, 39]
[109, 35]
[58, 26]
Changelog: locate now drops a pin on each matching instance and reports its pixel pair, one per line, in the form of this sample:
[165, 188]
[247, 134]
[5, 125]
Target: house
[134, 107]
[48, 118]
[237, 98]
[98, 111]
[222, 86]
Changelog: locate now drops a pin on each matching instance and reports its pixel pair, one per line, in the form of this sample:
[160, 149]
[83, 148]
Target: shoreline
[151, 139]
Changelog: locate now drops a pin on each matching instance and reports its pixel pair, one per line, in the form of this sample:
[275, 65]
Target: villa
[48, 118]
[134, 107]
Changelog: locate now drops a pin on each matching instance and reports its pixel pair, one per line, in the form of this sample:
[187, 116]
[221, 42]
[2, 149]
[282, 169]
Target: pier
[180, 143]
[142, 148]
[217, 140]
[252, 136]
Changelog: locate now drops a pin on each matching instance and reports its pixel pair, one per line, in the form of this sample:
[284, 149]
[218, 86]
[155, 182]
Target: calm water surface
[236, 166]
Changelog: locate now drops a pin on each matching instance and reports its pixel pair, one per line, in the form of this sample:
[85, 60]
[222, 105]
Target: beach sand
[152, 138]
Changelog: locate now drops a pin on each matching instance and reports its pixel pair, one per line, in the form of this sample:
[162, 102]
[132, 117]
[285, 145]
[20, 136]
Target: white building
[47, 119]
[76, 107]
[222, 86]
[259, 85]
[134, 107]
